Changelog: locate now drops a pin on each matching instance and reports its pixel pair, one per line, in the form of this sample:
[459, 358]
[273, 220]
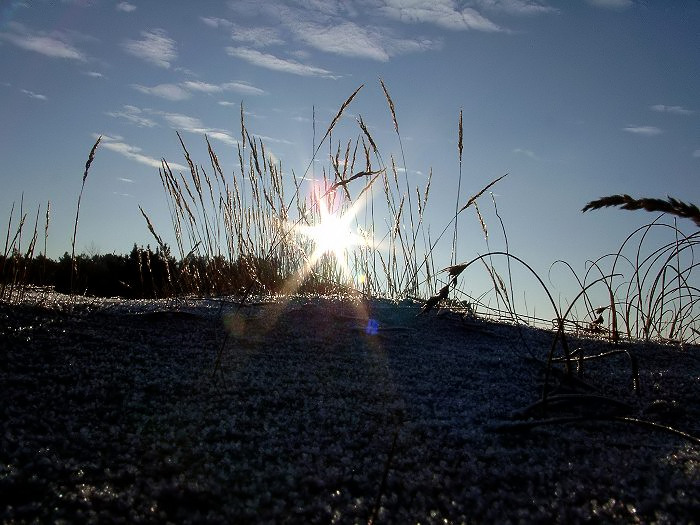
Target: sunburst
[333, 233]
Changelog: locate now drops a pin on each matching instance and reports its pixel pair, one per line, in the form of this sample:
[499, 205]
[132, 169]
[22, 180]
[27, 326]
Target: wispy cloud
[134, 153]
[443, 13]
[155, 47]
[265, 138]
[648, 131]
[133, 115]
[125, 7]
[215, 22]
[333, 26]
[167, 91]
[94, 74]
[352, 40]
[194, 125]
[184, 90]
[526, 152]
[241, 87]
[55, 44]
[517, 7]
[347, 39]
[37, 96]
[197, 85]
[256, 36]
[80, 3]
[677, 110]
[278, 64]
[611, 4]
[696, 153]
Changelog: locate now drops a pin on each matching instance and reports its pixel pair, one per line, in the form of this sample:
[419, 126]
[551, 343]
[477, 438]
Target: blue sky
[574, 100]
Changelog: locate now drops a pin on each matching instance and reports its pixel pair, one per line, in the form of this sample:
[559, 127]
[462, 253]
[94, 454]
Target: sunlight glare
[333, 234]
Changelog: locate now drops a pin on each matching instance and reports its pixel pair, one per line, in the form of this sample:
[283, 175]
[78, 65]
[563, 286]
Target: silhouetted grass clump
[237, 233]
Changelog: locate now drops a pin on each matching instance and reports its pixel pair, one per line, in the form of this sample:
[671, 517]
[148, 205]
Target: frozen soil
[324, 410]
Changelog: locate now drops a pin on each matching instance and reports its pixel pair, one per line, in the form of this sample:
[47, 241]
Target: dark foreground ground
[110, 412]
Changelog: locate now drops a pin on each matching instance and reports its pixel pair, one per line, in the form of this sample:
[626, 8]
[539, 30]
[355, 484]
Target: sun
[332, 234]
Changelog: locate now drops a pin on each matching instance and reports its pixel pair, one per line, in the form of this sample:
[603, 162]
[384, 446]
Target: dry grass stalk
[481, 221]
[460, 144]
[364, 129]
[160, 242]
[671, 206]
[474, 197]
[46, 239]
[91, 157]
[9, 227]
[391, 105]
[337, 117]
[459, 190]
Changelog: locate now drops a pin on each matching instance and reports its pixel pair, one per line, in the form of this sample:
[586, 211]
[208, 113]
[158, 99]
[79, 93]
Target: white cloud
[526, 152]
[678, 110]
[265, 138]
[332, 26]
[55, 44]
[242, 87]
[124, 179]
[167, 91]
[94, 74]
[256, 36]
[37, 96]
[611, 4]
[133, 115]
[648, 131]
[125, 7]
[134, 153]
[196, 85]
[156, 48]
[227, 103]
[517, 7]
[696, 153]
[216, 22]
[194, 125]
[347, 39]
[222, 136]
[353, 40]
[278, 64]
[443, 13]
[184, 122]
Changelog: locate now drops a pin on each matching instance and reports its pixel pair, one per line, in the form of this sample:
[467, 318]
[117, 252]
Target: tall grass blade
[91, 157]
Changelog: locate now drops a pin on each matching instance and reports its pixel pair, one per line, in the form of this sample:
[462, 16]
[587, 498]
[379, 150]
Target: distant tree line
[140, 274]
[147, 274]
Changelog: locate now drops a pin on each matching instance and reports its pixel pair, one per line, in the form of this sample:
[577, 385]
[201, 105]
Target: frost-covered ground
[323, 410]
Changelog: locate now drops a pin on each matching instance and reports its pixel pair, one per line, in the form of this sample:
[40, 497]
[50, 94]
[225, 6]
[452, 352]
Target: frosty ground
[326, 410]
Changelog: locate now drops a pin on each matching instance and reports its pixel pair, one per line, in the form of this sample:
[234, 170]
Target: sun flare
[332, 234]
